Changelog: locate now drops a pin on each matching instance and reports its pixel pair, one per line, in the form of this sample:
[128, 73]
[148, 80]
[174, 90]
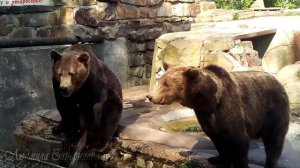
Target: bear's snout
[64, 91]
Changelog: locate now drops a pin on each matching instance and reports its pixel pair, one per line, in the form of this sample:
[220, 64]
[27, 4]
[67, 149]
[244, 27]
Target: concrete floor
[142, 123]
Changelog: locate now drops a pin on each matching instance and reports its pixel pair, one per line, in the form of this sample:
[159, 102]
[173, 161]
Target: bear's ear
[84, 57]
[191, 74]
[166, 66]
[56, 56]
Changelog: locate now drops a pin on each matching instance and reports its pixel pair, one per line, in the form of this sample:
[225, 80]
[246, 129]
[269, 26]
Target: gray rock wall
[25, 86]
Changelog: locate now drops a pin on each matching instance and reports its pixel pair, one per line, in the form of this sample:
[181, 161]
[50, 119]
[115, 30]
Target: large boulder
[202, 48]
[282, 50]
[289, 74]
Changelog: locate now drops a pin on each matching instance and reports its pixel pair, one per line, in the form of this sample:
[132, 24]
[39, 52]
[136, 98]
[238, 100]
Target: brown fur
[88, 96]
[232, 108]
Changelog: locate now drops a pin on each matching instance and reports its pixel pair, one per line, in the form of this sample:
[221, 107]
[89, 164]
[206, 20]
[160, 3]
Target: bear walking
[88, 96]
[232, 108]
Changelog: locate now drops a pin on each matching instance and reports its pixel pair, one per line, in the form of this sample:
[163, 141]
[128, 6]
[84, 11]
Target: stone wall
[202, 48]
[134, 24]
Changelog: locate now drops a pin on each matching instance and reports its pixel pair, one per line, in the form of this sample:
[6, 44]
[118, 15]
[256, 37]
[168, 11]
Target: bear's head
[70, 69]
[185, 85]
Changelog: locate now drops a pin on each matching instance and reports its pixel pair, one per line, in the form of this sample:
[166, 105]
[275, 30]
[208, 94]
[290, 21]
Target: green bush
[234, 4]
[282, 3]
[244, 4]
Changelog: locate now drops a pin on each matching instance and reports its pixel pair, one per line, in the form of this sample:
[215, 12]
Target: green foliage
[283, 3]
[244, 4]
[234, 4]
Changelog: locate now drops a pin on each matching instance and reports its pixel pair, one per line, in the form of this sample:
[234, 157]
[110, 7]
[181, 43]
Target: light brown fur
[232, 108]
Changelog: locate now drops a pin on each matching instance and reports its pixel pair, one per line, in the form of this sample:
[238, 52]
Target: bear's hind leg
[238, 152]
[273, 139]
[221, 158]
[108, 124]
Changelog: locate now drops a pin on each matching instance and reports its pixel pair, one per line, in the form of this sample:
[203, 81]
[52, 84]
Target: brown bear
[88, 96]
[232, 108]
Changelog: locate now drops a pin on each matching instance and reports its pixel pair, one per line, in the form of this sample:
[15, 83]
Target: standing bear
[88, 96]
[232, 108]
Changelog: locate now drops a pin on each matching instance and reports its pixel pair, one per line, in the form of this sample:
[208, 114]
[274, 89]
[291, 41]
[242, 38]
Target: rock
[87, 2]
[136, 72]
[277, 58]
[194, 9]
[289, 74]
[60, 31]
[222, 59]
[35, 20]
[25, 32]
[148, 70]
[92, 15]
[136, 59]
[290, 78]
[68, 3]
[154, 2]
[141, 2]
[216, 15]
[150, 45]
[140, 47]
[237, 50]
[293, 91]
[145, 12]
[216, 43]
[136, 81]
[127, 156]
[148, 55]
[258, 4]
[181, 9]
[7, 23]
[207, 5]
[297, 44]
[140, 35]
[80, 30]
[181, 52]
[5, 30]
[202, 48]
[253, 59]
[115, 54]
[247, 45]
[165, 10]
[168, 166]
[63, 16]
[140, 162]
[110, 32]
[127, 11]
[280, 51]
[149, 164]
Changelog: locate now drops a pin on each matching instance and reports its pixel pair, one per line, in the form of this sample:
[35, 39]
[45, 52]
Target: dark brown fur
[88, 96]
[232, 108]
